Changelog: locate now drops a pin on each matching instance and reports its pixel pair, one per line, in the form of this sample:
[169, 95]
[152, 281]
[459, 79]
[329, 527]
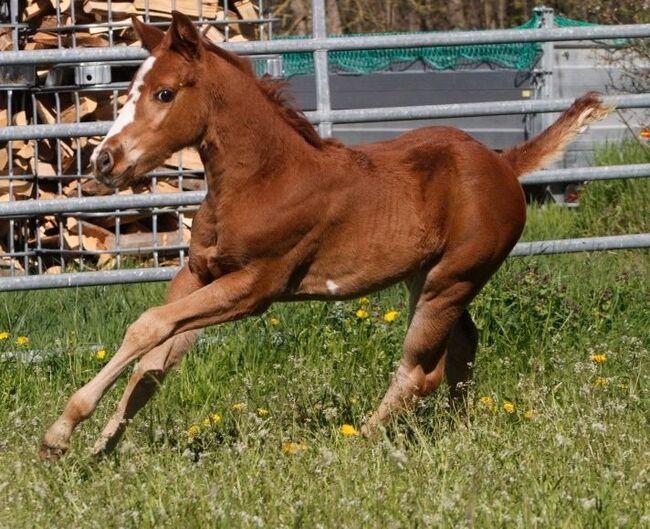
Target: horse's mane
[275, 93]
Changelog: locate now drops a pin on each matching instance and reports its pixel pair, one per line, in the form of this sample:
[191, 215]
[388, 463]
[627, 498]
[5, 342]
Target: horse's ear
[185, 38]
[150, 36]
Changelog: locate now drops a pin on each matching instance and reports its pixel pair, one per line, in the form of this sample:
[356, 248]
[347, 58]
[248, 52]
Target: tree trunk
[302, 19]
[456, 14]
[334, 25]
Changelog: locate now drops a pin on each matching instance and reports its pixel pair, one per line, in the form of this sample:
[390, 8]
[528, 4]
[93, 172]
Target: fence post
[319, 31]
[544, 73]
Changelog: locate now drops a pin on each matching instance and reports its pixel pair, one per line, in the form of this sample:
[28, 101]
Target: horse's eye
[165, 96]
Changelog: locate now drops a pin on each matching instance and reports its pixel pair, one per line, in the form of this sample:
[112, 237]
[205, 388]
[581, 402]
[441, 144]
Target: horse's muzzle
[104, 164]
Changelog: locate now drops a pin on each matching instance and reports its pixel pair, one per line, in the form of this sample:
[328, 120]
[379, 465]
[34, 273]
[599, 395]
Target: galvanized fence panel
[42, 244]
[168, 215]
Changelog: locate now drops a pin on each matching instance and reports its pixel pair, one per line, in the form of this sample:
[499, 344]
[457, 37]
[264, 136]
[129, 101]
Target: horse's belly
[347, 276]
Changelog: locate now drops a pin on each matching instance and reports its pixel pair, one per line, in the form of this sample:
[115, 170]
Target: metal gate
[121, 238]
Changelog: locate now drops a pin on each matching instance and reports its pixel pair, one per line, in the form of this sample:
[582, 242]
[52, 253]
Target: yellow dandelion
[508, 406]
[529, 415]
[262, 412]
[216, 418]
[193, 431]
[348, 430]
[364, 301]
[238, 407]
[354, 401]
[206, 422]
[488, 402]
[599, 359]
[362, 314]
[391, 316]
[601, 382]
[100, 355]
[290, 448]
[22, 340]
[4, 335]
[274, 321]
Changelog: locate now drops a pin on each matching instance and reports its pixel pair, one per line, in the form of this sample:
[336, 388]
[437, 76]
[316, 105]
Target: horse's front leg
[151, 369]
[232, 296]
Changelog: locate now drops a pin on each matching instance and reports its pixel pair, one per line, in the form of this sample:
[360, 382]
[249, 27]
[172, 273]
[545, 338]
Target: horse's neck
[237, 150]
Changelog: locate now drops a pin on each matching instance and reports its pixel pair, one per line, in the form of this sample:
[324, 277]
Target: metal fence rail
[20, 216]
[124, 203]
[357, 115]
[141, 275]
[456, 38]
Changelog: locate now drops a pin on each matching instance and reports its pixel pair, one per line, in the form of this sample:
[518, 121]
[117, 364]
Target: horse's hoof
[50, 453]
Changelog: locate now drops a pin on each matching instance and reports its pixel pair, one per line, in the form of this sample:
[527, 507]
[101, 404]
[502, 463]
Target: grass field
[556, 432]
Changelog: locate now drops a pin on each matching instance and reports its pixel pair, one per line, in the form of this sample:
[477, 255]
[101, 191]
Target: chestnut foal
[290, 216]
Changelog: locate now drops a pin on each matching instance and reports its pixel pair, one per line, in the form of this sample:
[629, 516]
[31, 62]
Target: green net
[518, 56]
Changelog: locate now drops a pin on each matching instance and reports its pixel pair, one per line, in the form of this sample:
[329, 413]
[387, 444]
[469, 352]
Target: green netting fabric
[519, 56]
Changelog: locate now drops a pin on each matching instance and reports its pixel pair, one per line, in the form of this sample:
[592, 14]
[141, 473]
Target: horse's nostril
[104, 162]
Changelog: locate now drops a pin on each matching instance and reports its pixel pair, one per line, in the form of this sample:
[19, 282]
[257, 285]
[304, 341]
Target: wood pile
[53, 169]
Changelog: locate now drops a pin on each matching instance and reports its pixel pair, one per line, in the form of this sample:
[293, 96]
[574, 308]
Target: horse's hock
[64, 70]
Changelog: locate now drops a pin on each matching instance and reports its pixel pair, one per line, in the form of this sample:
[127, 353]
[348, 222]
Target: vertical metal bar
[226, 33]
[109, 19]
[10, 175]
[319, 31]
[37, 192]
[544, 74]
[13, 20]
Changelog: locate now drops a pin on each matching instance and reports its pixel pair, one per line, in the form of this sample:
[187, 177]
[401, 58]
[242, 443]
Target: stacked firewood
[53, 169]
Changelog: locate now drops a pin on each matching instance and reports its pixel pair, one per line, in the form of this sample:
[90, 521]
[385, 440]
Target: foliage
[367, 16]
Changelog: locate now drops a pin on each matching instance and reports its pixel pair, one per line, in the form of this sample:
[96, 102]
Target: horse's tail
[550, 144]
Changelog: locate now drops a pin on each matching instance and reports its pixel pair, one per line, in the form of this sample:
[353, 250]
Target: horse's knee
[149, 330]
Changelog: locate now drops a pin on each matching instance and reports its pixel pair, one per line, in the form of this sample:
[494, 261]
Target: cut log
[190, 160]
[87, 105]
[37, 9]
[6, 42]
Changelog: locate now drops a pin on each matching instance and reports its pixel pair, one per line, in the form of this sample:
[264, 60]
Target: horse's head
[166, 108]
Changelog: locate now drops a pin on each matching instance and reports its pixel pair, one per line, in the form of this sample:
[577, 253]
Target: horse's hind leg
[459, 359]
[436, 336]
[82, 404]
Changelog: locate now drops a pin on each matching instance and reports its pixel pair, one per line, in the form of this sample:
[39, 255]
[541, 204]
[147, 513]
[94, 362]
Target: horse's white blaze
[127, 114]
[331, 286]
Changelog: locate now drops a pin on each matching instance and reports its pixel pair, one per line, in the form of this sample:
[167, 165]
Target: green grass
[583, 460]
